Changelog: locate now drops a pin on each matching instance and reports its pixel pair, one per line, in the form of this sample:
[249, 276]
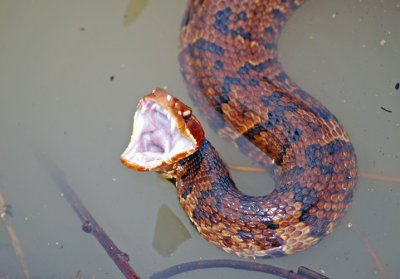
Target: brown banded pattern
[229, 60]
[228, 57]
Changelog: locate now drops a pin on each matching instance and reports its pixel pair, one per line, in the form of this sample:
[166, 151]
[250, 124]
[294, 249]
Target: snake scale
[228, 57]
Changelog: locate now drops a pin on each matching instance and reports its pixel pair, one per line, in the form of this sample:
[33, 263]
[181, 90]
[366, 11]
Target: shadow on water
[133, 11]
[169, 232]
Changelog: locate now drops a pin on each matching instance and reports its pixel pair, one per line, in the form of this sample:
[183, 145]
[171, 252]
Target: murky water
[71, 73]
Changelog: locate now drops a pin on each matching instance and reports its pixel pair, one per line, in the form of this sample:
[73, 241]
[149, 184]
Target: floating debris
[385, 109]
[349, 225]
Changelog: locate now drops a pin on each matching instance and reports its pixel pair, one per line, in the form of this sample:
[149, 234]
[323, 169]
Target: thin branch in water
[246, 168]
[302, 272]
[375, 176]
[16, 244]
[371, 251]
[366, 175]
[89, 223]
[375, 258]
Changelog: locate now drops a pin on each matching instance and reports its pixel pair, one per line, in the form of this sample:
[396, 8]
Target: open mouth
[155, 140]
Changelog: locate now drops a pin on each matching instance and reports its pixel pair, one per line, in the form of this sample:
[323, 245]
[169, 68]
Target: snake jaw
[164, 132]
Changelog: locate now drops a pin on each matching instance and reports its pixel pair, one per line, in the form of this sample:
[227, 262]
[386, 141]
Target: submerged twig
[366, 175]
[373, 254]
[89, 223]
[381, 177]
[246, 168]
[16, 244]
[376, 259]
[302, 272]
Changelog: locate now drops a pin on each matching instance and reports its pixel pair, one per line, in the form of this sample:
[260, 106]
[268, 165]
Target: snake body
[228, 57]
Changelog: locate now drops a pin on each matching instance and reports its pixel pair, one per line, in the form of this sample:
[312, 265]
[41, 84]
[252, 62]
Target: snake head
[164, 132]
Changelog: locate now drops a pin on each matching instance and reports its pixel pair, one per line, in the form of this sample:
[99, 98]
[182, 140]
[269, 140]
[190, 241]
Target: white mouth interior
[155, 137]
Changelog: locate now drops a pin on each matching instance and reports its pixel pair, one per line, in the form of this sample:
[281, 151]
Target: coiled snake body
[228, 56]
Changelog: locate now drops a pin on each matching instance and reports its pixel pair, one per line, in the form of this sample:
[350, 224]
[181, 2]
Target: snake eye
[186, 114]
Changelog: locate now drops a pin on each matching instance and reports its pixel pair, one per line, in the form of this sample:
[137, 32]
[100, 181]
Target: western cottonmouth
[228, 57]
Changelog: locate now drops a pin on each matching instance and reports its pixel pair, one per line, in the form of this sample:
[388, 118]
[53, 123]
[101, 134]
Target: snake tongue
[156, 140]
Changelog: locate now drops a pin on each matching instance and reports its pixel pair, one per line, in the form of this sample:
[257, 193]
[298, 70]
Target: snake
[228, 58]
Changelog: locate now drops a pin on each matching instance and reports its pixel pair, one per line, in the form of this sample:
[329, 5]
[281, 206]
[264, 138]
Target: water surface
[71, 73]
